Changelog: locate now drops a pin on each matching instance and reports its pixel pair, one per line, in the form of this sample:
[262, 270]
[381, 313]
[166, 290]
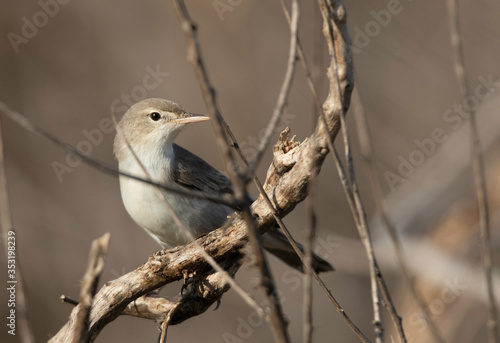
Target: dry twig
[97, 256]
[377, 280]
[479, 175]
[310, 228]
[307, 293]
[27, 124]
[370, 159]
[345, 87]
[283, 95]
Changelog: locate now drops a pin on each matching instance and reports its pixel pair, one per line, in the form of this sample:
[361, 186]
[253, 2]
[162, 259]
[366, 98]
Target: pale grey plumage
[150, 128]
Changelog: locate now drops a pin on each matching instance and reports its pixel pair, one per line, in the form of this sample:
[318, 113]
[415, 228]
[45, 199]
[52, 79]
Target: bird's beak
[190, 118]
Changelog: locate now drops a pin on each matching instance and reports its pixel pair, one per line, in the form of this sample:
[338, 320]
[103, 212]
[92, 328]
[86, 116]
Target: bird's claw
[189, 278]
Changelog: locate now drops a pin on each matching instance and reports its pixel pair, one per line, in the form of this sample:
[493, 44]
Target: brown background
[91, 52]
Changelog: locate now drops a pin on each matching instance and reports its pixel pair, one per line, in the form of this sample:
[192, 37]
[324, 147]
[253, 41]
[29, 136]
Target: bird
[144, 147]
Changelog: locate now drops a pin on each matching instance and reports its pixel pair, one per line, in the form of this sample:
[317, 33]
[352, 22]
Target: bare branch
[197, 298]
[284, 135]
[370, 159]
[283, 95]
[307, 293]
[343, 55]
[163, 268]
[30, 126]
[97, 256]
[69, 300]
[207, 90]
[479, 175]
[328, 127]
[377, 281]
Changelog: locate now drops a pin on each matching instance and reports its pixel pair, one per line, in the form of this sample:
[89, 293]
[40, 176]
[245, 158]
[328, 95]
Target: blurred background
[65, 66]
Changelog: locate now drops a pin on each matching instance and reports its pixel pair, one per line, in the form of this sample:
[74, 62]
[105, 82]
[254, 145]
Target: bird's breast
[149, 206]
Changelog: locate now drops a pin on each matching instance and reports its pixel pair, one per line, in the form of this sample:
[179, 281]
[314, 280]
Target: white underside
[147, 205]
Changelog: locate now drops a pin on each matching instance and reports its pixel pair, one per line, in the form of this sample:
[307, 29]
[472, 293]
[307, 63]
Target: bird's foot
[190, 279]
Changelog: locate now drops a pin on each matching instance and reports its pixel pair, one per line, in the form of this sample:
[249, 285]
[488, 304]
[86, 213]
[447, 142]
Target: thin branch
[281, 224]
[337, 84]
[97, 256]
[310, 228]
[376, 278]
[163, 336]
[24, 122]
[364, 234]
[370, 158]
[166, 323]
[302, 57]
[344, 181]
[331, 17]
[479, 174]
[366, 240]
[330, 128]
[11, 241]
[307, 292]
[359, 211]
[69, 300]
[272, 207]
[283, 95]
[194, 56]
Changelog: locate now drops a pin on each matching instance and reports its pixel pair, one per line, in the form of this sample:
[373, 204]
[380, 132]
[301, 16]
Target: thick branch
[163, 268]
[198, 297]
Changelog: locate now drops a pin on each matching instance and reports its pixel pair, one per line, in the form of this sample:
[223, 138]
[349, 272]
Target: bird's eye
[154, 116]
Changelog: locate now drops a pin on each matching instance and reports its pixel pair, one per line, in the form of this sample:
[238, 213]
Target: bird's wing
[193, 172]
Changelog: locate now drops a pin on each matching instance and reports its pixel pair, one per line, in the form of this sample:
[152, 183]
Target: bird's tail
[277, 244]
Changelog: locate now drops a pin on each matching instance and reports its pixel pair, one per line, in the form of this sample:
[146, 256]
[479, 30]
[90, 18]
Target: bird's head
[152, 124]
